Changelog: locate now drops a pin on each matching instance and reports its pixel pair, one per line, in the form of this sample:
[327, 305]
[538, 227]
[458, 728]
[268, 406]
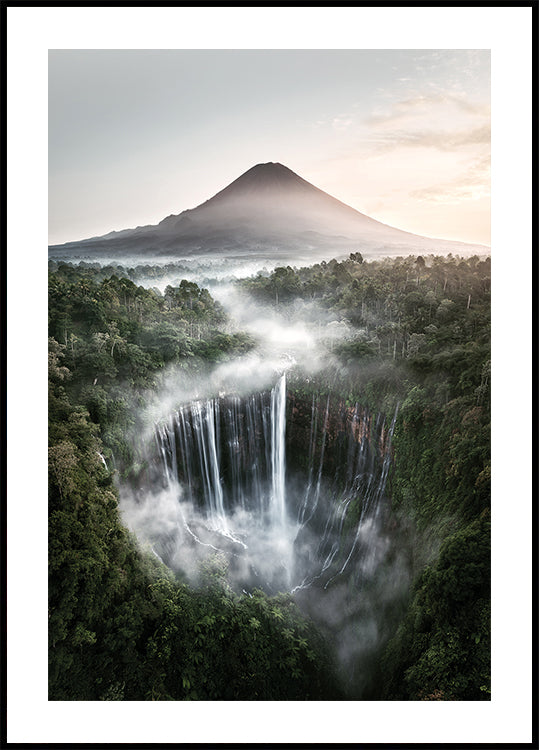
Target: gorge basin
[288, 493]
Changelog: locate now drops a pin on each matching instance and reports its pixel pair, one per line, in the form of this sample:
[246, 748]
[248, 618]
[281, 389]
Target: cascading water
[224, 460]
[278, 426]
[230, 452]
[225, 474]
[347, 522]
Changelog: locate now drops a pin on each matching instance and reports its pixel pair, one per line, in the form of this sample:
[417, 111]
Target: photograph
[266, 299]
[269, 412]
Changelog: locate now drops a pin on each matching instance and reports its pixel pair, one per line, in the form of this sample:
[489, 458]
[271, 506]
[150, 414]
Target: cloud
[443, 140]
[421, 104]
[473, 184]
[342, 122]
[443, 120]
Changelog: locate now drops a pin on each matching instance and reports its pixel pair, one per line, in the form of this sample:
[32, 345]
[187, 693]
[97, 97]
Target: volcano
[268, 211]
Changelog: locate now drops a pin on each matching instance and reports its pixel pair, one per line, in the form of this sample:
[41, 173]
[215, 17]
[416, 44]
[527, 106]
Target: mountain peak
[269, 167]
[268, 164]
[262, 181]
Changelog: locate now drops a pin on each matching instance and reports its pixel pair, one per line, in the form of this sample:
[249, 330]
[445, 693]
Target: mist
[211, 446]
[221, 479]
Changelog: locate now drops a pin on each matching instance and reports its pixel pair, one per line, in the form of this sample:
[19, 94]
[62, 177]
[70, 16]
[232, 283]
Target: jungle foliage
[418, 337]
[121, 625]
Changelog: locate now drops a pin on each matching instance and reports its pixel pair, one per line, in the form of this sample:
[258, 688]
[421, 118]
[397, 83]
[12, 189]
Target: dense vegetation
[121, 626]
[116, 338]
[408, 330]
[419, 335]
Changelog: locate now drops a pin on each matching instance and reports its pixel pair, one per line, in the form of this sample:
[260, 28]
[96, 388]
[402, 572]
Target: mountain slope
[268, 209]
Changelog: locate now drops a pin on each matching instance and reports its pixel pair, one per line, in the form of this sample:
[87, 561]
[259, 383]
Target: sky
[400, 135]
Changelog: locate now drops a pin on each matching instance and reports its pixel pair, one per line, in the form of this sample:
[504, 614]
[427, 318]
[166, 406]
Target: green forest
[123, 626]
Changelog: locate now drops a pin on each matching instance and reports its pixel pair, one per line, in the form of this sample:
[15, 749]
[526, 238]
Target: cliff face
[324, 431]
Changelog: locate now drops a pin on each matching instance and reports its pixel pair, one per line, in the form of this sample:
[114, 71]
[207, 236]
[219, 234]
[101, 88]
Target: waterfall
[225, 459]
[372, 486]
[312, 493]
[361, 447]
[230, 453]
[278, 427]
[102, 457]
